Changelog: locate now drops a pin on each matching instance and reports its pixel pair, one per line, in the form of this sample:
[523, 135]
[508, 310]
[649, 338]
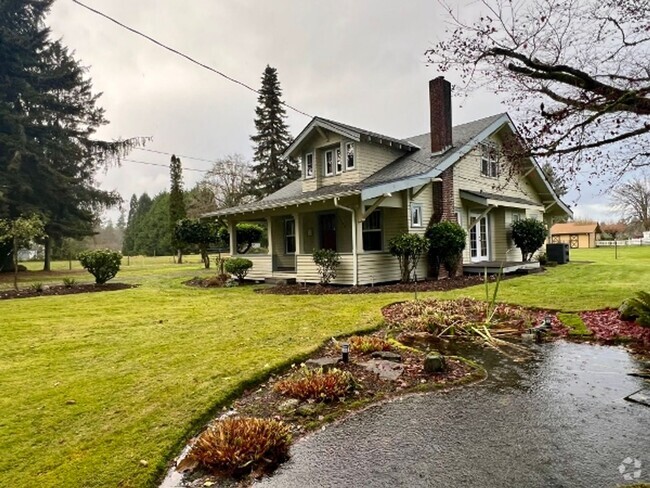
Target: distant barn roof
[573, 228]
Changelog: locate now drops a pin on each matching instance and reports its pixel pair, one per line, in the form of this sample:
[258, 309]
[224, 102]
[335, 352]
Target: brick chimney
[440, 111]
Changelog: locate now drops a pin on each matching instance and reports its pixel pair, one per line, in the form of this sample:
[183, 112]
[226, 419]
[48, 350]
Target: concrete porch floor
[493, 267]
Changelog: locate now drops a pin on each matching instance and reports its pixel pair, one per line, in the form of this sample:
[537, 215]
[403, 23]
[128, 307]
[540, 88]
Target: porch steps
[279, 280]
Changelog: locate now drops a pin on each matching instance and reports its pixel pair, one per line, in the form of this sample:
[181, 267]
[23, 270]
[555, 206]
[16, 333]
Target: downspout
[355, 257]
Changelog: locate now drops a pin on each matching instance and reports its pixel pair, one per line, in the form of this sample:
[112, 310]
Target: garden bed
[420, 286]
[49, 290]
[367, 387]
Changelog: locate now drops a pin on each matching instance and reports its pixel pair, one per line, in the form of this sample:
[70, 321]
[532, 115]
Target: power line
[183, 55]
[175, 154]
[164, 165]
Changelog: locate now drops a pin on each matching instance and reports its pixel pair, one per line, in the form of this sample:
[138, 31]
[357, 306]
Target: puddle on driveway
[558, 420]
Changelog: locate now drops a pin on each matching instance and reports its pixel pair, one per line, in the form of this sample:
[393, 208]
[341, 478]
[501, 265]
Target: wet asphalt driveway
[559, 420]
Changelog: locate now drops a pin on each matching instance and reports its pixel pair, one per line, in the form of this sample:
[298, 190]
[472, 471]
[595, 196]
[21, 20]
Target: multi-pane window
[290, 236]
[329, 162]
[339, 161]
[489, 160]
[309, 165]
[416, 215]
[372, 235]
[349, 155]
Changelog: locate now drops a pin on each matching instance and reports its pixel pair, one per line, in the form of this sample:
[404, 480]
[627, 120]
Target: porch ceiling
[493, 199]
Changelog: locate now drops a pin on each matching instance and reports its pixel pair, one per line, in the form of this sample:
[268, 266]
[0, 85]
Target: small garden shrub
[408, 248]
[69, 282]
[238, 267]
[238, 445]
[367, 344]
[528, 235]
[446, 243]
[326, 261]
[316, 385]
[640, 304]
[543, 259]
[37, 287]
[103, 264]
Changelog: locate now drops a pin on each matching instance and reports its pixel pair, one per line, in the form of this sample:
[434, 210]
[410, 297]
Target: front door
[479, 239]
[327, 231]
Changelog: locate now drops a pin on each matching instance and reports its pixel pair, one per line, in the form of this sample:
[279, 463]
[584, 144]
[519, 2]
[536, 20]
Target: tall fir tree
[48, 117]
[271, 172]
[129, 230]
[176, 203]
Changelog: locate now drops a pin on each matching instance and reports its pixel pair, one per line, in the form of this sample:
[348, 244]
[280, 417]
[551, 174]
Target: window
[349, 155]
[309, 165]
[290, 236]
[489, 161]
[329, 162]
[339, 161]
[372, 235]
[416, 215]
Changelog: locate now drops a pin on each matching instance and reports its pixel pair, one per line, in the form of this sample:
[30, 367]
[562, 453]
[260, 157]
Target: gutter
[355, 256]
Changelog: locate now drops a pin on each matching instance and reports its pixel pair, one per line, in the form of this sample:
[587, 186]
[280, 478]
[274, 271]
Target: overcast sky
[358, 62]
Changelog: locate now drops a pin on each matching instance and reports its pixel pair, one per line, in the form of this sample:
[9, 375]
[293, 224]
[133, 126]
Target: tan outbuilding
[576, 235]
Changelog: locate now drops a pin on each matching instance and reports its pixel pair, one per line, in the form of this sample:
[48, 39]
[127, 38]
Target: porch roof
[485, 199]
[291, 194]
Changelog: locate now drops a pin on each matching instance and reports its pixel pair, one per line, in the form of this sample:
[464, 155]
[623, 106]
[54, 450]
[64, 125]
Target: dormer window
[489, 161]
[339, 161]
[349, 155]
[309, 165]
[328, 162]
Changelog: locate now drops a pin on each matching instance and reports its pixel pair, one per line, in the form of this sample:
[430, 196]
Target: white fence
[626, 242]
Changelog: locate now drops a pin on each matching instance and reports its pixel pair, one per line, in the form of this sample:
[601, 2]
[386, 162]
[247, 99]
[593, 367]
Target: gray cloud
[359, 62]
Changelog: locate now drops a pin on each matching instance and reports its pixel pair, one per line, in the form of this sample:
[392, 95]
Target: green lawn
[93, 384]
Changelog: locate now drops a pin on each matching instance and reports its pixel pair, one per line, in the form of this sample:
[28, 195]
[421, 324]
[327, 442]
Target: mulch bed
[49, 290]
[608, 327]
[421, 286]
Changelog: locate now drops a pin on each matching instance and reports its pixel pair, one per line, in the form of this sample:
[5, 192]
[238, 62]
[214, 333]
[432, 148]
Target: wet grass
[94, 384]
[576, 326]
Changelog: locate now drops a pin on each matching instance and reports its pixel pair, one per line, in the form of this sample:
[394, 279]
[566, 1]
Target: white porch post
[269, 237]
[232, 230]
[298, 233]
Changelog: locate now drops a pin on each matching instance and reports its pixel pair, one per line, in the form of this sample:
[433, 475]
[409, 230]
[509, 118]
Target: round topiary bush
[447, 241]
[238, 267]
[103, 264]
[528, 235]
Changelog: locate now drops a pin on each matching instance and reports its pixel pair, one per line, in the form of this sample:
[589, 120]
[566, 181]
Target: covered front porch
[358, 233]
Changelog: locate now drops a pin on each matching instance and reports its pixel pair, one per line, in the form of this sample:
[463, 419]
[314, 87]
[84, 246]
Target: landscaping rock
[387, 355]
[325, 363]
[626, 311]
[528, 337]
[434, 363]
[289, 405]
[310, 409]
[387, 370]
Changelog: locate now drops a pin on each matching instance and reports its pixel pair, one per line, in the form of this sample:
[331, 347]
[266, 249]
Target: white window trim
[336, 168]
[489, 153]
[307, 156]
[354, 157]
[325, 153]
[286, 240]
[418, 207]
[380, 231]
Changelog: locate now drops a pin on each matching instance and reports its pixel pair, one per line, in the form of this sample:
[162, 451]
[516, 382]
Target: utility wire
[175, 154]
[183, 55]
[163, 165]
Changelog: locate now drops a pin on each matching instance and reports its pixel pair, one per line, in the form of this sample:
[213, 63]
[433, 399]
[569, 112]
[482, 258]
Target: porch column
[269, 237]
[232, 230]
[297, 220]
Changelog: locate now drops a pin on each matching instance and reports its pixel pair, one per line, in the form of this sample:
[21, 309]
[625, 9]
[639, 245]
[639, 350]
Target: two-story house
[358, 189]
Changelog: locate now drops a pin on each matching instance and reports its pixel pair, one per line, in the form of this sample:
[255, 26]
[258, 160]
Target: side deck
[493, 267]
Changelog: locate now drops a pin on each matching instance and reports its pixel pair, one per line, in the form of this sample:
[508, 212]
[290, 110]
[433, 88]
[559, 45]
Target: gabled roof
[486, 199]
[573, 228]
[348, 131]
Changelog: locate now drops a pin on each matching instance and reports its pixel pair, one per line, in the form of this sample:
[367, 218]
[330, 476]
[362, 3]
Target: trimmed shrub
[239, 445]
[640, 305]
[103, 264]
[238, 267]
[326, 261]
[447, 241]
[316, 385]
[528, 235]
[247, 235]
[408, 248]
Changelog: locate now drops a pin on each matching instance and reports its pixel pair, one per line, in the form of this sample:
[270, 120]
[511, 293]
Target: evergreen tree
[127, 244]
[271, 172]
[176, 204]
[48, 116]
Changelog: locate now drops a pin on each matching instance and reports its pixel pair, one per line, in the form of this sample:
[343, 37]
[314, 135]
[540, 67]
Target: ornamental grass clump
[238, 445]
[316, 385]
[368, 344]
